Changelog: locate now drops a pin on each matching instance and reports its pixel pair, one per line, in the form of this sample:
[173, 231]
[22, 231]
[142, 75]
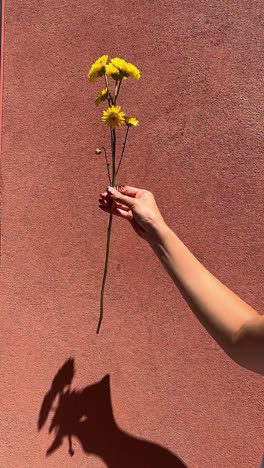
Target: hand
[136, 205]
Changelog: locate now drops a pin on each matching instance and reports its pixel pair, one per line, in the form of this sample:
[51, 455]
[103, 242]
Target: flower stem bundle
[114, 73]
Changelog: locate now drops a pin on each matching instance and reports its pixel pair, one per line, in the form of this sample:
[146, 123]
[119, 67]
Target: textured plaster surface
[199, 148]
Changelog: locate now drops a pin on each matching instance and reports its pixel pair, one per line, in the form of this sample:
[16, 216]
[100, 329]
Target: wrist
[160, 232]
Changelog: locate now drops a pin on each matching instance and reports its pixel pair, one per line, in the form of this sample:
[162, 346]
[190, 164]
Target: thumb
[120, 198]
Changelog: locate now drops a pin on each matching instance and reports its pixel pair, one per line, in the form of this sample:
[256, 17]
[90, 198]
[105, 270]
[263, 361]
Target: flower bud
[98, 151]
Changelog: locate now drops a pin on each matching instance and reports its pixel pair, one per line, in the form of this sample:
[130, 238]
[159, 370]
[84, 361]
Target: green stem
[123, 149]
[109, 99]
[113, 145]
[116, 85]
[117, 90]
[107, 163]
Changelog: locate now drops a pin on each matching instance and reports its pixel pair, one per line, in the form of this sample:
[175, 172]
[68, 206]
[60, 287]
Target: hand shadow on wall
[87, 414]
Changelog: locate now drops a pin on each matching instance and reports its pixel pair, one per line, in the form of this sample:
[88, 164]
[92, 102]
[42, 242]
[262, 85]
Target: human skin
[235, 325]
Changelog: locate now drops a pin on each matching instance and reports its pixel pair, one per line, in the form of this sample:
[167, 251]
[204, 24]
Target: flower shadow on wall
[87, 415]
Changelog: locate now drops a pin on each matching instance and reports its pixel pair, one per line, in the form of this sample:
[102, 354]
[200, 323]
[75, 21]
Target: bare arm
[236, 326]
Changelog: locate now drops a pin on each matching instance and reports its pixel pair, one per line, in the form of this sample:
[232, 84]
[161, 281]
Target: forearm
[219, 309]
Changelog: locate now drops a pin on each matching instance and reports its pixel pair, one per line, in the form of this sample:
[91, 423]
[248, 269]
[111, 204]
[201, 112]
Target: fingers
[126, 200]
[117, 211]
[127, 190]
[107, 202]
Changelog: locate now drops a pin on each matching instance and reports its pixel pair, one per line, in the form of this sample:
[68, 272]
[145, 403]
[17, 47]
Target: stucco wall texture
[152, 389]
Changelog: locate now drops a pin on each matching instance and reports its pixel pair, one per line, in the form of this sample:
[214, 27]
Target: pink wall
[199, 148]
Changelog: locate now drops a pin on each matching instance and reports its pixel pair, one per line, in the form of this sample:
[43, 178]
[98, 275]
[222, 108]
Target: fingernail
[110, 190]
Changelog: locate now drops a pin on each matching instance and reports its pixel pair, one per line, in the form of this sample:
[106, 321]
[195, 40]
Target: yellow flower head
[114, 72]
[131, 121]
[98, 68]
[133, 71]
[119, 69]
[113, 117]
[102, 96]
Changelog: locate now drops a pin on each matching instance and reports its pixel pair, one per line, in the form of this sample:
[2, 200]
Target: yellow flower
[120, 64]
[131, 121]
[102, 96]
[112, 71]
[113, 117]
[133, 71]
[119, 69]
[98, 68]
